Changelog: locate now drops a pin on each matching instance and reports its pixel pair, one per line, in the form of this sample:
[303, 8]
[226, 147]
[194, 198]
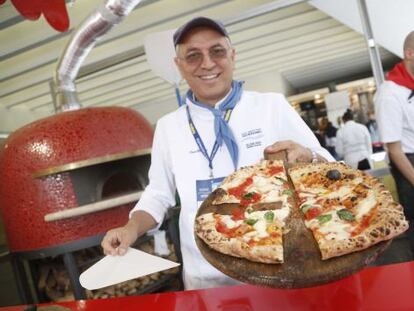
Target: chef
[220, 128]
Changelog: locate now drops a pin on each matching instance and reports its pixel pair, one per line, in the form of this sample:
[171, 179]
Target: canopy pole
[374, 56]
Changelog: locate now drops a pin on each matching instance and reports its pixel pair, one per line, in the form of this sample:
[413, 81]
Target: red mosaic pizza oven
[63, 140]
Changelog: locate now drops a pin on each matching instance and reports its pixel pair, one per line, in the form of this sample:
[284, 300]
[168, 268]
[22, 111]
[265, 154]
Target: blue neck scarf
[221, 128]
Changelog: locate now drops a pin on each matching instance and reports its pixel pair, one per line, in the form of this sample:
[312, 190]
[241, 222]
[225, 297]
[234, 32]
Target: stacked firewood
[55, 284]
[54, 281]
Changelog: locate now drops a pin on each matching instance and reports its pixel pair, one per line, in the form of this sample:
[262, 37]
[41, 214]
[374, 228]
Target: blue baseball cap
[198, 22]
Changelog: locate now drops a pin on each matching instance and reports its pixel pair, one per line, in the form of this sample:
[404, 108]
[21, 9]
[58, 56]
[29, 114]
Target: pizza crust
[387, 222]
[205, 228]
[223, 197]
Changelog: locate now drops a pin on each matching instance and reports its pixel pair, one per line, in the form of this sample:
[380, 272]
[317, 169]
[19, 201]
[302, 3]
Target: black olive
[333, 174]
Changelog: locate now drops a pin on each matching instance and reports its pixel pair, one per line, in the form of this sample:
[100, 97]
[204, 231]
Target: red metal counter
[385, 288]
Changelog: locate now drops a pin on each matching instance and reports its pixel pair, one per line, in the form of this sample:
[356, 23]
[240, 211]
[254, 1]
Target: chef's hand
[117, 241]
[294, 151]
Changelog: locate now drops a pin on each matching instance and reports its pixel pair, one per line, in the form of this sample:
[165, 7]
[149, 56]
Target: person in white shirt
[353, 143]
[330, 138]
[394, 105]
[220, 128]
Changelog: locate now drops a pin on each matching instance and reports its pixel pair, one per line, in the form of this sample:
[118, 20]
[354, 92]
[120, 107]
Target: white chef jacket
[353, 142]
[395, 115]
[257, 121]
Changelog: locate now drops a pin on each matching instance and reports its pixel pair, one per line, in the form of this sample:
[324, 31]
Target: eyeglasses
[216, 53]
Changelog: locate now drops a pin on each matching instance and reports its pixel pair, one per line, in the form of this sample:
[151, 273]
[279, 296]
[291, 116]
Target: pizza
[254, 235]
[265, 182]
[255, 227]
[346, 210]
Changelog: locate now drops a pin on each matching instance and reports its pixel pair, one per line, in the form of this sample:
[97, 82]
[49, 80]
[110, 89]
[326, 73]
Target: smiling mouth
[209, 77]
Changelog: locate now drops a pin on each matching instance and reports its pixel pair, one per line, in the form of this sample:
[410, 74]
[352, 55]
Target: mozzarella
[259, 231]
[357, 180]
[312, 202]
[306, 195]
[255, 215]
[314, 190]
[263, 183]
[340, 193]
[335, 228]
[365, 205]
[311, 224]
[230, 223]
[249, 236]
[260, 227]
[279, 214]
[282, 214]
[272, 196]
[270, 189]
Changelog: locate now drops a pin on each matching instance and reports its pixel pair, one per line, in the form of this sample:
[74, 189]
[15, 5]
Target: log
[44, 273]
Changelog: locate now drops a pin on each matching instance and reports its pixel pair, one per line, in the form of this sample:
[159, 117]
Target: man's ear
[233, 54]
[409, 53]
[177, 62]
[233, 57]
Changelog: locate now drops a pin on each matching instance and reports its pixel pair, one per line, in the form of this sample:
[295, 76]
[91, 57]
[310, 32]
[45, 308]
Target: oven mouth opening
[119, 183]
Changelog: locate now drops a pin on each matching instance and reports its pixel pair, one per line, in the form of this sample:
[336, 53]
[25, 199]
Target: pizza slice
[346, 210]
[265, 182]
[252, 234]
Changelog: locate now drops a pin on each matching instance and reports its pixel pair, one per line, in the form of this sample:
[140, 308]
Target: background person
[220, 128]
[330, 138]
[372, 126]
[394, 106]
[353, 143]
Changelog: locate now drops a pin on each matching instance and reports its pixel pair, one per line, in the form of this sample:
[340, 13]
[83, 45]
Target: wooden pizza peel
[302, 267]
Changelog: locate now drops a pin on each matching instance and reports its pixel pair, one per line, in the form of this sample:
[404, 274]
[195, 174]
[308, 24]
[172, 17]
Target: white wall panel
[391, 20]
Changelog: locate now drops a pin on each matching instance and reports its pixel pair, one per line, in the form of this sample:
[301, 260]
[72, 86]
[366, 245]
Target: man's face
[409, 60]
[206, 61]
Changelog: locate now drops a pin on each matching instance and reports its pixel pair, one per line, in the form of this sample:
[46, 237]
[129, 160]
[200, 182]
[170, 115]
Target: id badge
[205, 187]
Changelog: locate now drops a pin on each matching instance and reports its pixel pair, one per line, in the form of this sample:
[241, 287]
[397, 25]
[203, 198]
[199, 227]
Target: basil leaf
[269, 216]
[287, 192]
[324, 218]
[281, 179]
[345, 214]
[305, 208]
[250, 221]
[248, 195]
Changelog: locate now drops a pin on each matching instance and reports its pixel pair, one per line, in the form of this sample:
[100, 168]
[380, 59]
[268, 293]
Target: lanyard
[199, 141]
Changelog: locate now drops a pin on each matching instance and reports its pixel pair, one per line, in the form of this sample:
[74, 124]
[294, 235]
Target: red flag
[53, 10]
